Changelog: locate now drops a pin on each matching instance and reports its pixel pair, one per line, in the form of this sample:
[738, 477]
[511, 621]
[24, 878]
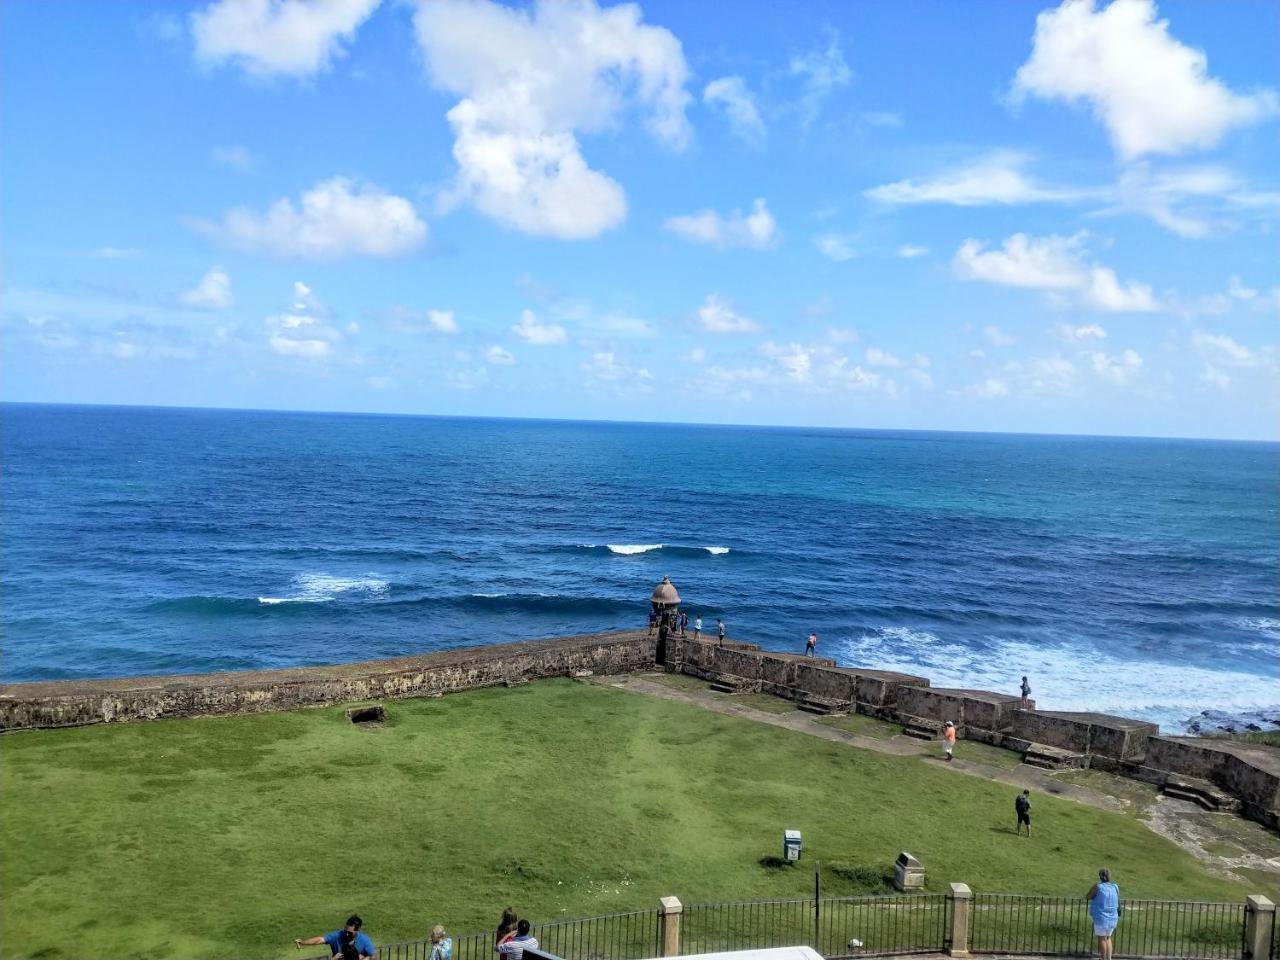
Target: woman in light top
[1104, 908]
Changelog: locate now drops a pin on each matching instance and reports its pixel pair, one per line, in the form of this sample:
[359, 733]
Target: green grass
[985, 753]
[231, 836]
[863, 726]
[765, 702]
[1267, 738]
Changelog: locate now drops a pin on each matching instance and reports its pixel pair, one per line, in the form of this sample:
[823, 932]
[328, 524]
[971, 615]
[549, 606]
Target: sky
[1004, 215]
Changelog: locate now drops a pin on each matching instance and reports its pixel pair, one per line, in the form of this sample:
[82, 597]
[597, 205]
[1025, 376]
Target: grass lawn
[863, 726]
[231, 836]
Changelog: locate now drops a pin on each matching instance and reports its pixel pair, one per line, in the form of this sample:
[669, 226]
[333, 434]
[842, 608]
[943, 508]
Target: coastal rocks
[1248, 721]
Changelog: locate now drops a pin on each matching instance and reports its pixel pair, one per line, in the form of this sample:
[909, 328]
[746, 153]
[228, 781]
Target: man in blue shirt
[364, 946]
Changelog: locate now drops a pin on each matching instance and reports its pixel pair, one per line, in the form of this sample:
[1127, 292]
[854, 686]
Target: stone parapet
[982, 709]
[79, 702]
[1117, 738]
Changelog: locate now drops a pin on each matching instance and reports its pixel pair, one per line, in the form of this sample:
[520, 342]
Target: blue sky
[989, 216]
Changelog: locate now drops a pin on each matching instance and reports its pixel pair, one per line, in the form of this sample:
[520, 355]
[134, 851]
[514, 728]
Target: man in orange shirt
[949, 740]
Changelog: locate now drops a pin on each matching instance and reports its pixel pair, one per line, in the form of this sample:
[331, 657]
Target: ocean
[1136, 576]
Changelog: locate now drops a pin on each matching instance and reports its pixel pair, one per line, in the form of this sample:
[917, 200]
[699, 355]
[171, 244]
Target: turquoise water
[1121, 574]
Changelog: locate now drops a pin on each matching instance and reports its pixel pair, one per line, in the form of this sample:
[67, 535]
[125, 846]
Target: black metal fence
[846, 928]
[1179, 930]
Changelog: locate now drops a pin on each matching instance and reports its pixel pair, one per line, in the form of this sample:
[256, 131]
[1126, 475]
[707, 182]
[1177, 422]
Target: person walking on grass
[514, 948]
[949, 741]
[349, 936]
[441, 946]
[811, 645]
[1022, 807]
[720, 631]
[1105, 910]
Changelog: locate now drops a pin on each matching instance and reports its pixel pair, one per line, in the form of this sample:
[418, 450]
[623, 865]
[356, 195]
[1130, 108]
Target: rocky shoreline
[1210, 722]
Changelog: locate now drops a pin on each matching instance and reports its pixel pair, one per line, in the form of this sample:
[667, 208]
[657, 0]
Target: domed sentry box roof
[664, 594]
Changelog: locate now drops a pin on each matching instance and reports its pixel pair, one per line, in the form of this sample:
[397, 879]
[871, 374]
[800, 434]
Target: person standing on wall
[1026, 694]
[1105, 910]
[811, 645]
[720, 631]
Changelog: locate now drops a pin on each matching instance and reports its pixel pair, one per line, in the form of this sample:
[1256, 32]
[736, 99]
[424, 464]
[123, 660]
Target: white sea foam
[1067, 677]
[322, 588]
[716, 551]
[1268, 627]
[628, 549]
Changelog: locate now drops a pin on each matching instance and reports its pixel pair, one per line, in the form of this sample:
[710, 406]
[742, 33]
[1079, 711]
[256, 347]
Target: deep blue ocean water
[1130, 575]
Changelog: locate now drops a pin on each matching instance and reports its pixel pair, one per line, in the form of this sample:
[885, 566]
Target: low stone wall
[978, 709]
[1249, 773]
[1116, 738]
[75, 703]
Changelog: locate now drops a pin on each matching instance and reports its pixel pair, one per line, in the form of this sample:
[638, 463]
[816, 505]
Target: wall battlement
[1221, 774]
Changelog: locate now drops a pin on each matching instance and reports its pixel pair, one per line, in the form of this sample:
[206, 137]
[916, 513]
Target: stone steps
[919, 732]
[1051, 758]
[1200, 792]
[821, 706]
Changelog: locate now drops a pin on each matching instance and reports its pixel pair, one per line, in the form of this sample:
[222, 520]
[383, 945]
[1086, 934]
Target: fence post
[669, 911]
[959, 898]
[1259, 915]
[817, 907]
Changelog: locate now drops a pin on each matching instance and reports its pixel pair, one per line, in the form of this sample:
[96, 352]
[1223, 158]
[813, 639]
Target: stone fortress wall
[1217, 774]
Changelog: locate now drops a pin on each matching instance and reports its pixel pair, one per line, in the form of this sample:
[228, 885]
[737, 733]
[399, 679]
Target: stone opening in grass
[373, 714]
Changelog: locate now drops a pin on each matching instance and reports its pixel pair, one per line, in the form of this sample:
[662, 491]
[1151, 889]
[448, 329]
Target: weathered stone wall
[778, 676]
[1115, 737]
[741, 666]
[981, 709]
[879, 688]
[829, 683]
[1247, 772]
[74, 703]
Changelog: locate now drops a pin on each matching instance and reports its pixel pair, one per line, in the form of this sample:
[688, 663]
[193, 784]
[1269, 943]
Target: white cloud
[717, 316]
[731, 94]
[622, 326]
[910, 251]
[1119, 369]
[757, 230]
[213, 292]
[234, 158]
[1237, 289]
[442, 320]
[696, 355]
[604, 366]
[990, 389]
[1153, 93]
[268, 37]
[539, 334]
[530, 82]
[499, 357]
[794, 359]
[823, 71]
[1080, 334]
[1056, 264]
[879, 358]
[303, 330]
[842, 334]
[116, 253]
[994, 179]
[335, 218]
[402, 320]
[997, 337]
[1223, 350]
[882, 118]
[836, 246]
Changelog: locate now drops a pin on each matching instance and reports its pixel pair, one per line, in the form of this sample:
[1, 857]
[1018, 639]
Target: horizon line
[652, 423]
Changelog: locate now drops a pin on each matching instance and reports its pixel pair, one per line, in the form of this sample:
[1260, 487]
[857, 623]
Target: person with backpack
[1022, 807]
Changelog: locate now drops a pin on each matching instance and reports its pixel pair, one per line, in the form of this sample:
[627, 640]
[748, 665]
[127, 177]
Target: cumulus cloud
[213, 292]
[880, 358]
[539, 334]
[335, 218]
[1084, 333]
[1119, 369]
[277, 37]
[756, 230]
[822, 70]
[499, 357]
[1053, 263]
[836, 246]
[402, 320]
[1153, 93]
[990, 389]
[910, 251]
[731, 95]
[605, 366]
[1223, 350]
[530, 81]
[994, 179]
[1213, 378]
[717, 316]
[303, 330]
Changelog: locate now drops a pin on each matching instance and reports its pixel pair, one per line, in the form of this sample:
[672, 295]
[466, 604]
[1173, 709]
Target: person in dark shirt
[1022, 807]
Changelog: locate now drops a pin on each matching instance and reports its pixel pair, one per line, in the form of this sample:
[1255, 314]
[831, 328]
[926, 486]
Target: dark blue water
[1132, 575]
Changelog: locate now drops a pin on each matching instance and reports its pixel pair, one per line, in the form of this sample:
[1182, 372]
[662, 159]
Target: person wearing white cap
[949, 740]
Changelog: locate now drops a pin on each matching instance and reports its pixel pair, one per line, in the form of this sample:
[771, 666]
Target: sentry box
[791, 845]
